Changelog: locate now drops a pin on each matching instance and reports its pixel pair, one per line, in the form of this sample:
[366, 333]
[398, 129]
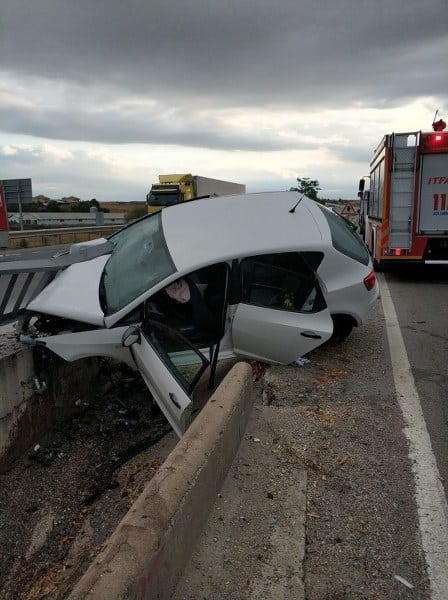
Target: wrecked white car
[266, 276]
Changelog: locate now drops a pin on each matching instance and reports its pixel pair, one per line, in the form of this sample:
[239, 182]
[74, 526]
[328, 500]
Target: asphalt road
[420, 298]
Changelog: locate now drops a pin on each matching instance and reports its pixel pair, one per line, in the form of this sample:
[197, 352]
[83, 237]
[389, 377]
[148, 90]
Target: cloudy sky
[99, 97]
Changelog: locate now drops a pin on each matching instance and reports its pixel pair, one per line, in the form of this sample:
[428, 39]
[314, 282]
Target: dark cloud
[233, 53]
[186, 73]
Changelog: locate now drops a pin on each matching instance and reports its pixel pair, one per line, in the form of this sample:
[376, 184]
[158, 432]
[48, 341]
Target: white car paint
[200, 234]
[173, 400]
[73, 293]
[236, 226]
[277, 336]
[95, 342]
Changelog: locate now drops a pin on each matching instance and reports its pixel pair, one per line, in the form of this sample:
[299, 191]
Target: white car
[265, 276]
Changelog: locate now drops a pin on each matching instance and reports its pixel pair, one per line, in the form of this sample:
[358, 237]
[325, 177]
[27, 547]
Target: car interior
[281, 281]
[201, 319]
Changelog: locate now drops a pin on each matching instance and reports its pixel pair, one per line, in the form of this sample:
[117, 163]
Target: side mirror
[362, 184]
[130, 336]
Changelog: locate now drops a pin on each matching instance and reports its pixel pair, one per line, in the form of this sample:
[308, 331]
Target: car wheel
[342, 327]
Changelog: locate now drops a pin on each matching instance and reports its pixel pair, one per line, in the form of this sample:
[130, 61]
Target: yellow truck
[175, 188]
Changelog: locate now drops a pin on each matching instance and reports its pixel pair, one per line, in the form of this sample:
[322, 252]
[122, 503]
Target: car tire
[342, 328]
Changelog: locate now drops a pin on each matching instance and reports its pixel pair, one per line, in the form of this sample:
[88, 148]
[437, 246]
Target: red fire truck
[403, 217]
[3, 220]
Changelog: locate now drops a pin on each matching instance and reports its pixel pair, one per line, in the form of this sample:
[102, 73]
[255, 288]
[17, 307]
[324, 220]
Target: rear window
[344, 238]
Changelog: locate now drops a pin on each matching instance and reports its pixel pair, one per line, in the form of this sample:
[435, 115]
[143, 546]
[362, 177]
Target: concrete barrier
[26, 413]
[147, 553]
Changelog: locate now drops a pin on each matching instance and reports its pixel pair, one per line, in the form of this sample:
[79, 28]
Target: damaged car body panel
[170, 367]
[73, 293]
[262, 276]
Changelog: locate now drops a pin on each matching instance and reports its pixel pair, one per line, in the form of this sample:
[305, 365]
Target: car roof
[224, 227]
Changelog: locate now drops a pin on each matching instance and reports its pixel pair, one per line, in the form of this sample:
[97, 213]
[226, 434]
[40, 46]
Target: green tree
[53, 206]
[309, 187]
[85, 206]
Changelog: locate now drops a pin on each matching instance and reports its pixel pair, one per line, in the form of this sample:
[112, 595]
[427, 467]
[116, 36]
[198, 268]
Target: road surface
[420, 298]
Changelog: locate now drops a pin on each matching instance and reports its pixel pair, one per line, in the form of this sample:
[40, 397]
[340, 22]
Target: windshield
[163, 198]
[139, 260]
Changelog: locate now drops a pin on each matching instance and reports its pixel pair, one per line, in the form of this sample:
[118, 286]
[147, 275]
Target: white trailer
[204, 186]
[175, 188]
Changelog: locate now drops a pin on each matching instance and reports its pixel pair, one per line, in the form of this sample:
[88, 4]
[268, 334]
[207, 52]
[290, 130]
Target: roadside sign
[348, 210]
[17, 191]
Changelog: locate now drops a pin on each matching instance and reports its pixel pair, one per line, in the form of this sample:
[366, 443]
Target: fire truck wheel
[342, 327]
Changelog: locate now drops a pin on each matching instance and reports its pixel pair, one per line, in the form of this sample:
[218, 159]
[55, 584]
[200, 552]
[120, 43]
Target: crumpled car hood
[74, 293]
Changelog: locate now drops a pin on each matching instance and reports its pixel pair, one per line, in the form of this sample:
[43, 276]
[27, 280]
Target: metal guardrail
[60, 235]
[18, 288]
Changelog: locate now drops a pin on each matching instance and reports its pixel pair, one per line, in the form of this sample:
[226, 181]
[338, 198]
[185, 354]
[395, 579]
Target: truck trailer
[175, 188]
[403, 217]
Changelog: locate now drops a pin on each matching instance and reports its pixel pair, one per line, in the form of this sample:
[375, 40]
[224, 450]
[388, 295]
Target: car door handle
[173, 400]
[311, 334]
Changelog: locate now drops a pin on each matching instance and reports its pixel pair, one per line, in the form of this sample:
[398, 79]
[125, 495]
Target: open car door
[170, 366]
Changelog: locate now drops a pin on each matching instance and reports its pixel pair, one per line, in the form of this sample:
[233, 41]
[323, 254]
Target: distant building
[65, 219]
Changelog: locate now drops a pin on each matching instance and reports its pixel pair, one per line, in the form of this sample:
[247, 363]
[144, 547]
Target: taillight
[370, 281]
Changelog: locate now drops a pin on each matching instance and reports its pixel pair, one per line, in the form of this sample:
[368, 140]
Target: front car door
[170, 366]
[282, 314]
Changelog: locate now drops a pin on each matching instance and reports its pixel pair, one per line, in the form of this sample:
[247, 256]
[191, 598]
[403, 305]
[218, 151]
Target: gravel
[362, 536]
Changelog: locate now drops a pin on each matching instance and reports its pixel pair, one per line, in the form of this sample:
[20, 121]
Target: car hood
[74, 293]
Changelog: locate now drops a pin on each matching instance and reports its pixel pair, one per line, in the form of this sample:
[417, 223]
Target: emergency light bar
[434, 142]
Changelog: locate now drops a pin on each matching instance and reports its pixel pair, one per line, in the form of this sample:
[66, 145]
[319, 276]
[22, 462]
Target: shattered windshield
[139, 260]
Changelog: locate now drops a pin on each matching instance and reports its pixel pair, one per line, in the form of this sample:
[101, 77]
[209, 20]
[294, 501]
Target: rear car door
[170, 366]
[282, 314]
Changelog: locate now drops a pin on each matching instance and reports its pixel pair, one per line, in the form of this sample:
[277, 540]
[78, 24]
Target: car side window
[179, 356]
[281, 281]
[344, 238]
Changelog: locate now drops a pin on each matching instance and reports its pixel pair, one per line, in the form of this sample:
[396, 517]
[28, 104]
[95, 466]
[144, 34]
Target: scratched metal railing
[19, 285]
[21, 281]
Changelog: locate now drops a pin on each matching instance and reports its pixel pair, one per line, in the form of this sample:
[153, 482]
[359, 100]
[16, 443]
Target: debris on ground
[67, 494]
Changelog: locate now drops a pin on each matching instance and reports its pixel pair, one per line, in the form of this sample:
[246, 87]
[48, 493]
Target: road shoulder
[253, 544]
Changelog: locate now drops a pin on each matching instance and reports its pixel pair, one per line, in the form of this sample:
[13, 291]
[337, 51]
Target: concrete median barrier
[148, 551]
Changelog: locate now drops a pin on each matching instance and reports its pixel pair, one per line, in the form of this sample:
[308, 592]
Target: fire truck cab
[403, 216]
